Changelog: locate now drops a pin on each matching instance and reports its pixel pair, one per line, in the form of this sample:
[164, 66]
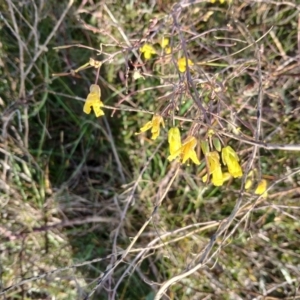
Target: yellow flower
[164, 42]
[231, 159]
[93, 101]
[174, 140]
[248, 184]
[182, 64]
[214, 167]
[168, 50]
[261, 188]
[148, 50]
[155, 125]
[186, 151]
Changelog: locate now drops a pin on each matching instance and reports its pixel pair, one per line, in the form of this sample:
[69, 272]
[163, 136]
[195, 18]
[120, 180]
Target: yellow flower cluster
[93, 101]
[230, 159]
[185, 150]
[148, 51]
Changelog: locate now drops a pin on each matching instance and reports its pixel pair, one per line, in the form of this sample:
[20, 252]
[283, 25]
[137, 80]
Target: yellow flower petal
[261, 188]
[214, 167]
[185, 150]
[155, 134]
[188, 150]
[182, 64]
[174, 140]
[248, 184]
[217, 181]
[95, 89]
[93, 101]
[155, 125]
[164, 42]
[174, 155]
[168, 50]
[97, 109]
[204, 178]
[194, 158]
[231, 159]
[146, 127]
[87, 108]
[217, 178]
[156, 121]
